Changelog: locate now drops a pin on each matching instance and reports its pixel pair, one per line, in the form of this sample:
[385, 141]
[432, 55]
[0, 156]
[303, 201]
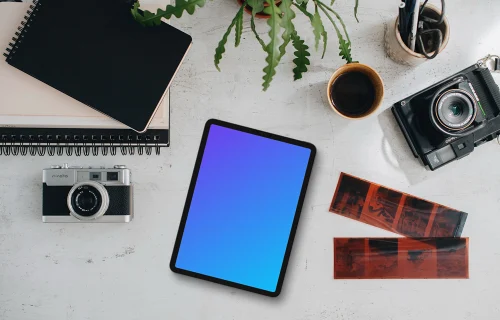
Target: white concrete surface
[120, 271]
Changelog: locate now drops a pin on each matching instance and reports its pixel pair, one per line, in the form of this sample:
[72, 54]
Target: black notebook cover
[95, 52]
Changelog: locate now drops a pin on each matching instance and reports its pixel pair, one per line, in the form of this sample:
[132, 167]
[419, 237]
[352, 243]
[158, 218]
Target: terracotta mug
[355, 83]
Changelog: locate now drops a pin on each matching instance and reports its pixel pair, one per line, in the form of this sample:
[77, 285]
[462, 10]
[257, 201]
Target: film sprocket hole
[446, 121]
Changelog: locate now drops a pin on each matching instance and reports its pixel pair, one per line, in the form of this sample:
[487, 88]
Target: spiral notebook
[38, 119]
[95, 52]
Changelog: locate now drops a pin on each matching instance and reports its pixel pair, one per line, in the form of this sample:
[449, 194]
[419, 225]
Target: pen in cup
[402, 20]
[414, 25]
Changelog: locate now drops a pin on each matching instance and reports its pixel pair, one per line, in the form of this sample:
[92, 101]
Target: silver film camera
[78, 194]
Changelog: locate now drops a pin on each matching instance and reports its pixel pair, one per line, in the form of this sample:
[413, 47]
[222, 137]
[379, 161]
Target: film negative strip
[401, 258]
[393, 210]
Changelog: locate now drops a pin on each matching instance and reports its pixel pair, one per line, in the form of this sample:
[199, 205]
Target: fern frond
[221, 48]
[286, 23]
[272, 49]
[150, 19]
[301, 53]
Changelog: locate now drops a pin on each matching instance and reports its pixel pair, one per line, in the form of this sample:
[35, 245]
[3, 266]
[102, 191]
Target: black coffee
[353, 94]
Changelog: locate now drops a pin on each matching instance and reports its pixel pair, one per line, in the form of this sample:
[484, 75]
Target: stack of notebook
[84, 77]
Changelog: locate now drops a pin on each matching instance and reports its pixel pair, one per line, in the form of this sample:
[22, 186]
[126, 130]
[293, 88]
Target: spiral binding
[13, 142]
[19, 35]
[78, 145]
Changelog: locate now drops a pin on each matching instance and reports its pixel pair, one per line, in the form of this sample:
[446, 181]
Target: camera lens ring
[441, 104]
[104, 200]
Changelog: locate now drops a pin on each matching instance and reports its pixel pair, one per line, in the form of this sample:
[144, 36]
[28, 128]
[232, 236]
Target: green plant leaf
[238, 30]
[252, 26]
[344, 46]
[257, 6]
[301, 52]
[180, 6]
[345, 49]
[299, 2]
[303, 9]
[150, 19]
[222, 43]
[286, 23]
[338, 17]
[319, 31]
[325, 41]
[333, 1]
[320, 28]
[272, 49]
[269, 11]
[356, 5]
[135, 11]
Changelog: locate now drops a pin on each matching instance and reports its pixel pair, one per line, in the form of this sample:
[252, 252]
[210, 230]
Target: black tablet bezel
[190, 197]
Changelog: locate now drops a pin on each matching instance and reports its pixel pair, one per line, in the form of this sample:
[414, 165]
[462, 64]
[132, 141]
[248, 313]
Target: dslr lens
[88, 200]
[456, 109]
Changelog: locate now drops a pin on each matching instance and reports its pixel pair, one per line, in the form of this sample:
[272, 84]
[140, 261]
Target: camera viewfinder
[95, 176]
[112, 176]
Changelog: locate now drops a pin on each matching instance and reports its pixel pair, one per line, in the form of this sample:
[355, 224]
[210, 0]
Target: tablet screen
[242, 212]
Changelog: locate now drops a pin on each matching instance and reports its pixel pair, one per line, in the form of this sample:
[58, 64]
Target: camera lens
[456, 109]
[88, 200]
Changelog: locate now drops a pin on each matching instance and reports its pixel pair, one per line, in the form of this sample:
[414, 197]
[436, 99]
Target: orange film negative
[393, 210]
[401, 258]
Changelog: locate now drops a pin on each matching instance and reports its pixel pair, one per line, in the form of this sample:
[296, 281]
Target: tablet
[242, 208]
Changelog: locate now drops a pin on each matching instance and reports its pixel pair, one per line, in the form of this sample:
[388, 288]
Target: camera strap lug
[492, 62]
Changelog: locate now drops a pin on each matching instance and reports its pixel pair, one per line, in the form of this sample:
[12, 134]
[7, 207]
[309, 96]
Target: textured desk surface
[120, 271]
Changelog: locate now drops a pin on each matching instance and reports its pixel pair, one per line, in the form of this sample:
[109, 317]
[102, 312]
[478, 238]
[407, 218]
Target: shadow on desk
[398, 154]
[315, 96]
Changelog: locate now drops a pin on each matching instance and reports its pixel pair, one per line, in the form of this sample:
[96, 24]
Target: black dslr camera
[446, 121]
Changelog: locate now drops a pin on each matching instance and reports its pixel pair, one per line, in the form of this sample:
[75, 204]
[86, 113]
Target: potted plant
[282, 31]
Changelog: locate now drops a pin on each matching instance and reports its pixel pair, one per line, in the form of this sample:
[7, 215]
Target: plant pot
[397, 50]
[260, 15]
[375, 79]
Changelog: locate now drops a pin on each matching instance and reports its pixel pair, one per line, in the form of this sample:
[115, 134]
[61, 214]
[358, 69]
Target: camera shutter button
[120, 166]
[55, 167]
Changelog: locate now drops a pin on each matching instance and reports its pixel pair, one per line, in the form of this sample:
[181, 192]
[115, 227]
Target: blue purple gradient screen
[243, 208]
